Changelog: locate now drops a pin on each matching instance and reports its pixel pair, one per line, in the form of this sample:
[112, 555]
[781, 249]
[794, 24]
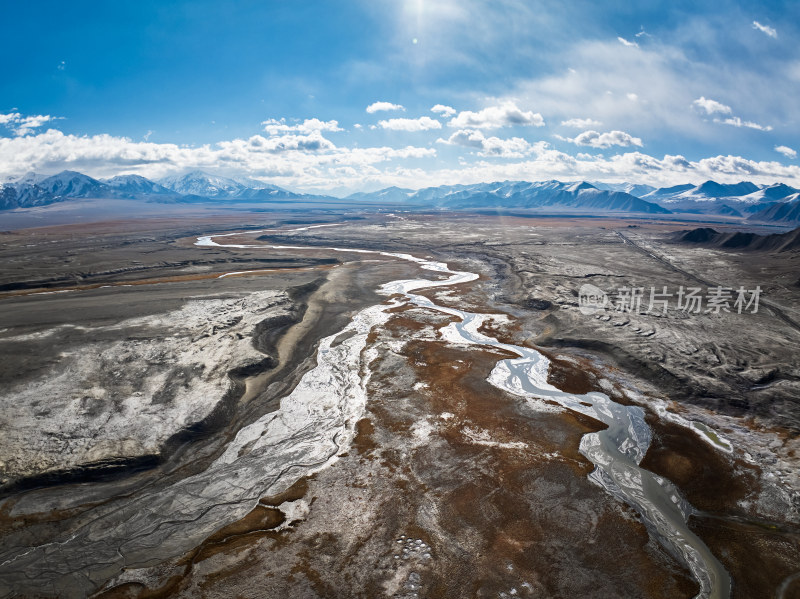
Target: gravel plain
[131, 366]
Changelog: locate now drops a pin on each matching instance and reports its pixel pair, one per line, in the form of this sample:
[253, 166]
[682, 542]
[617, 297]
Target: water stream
[616, 452]
[315, 424]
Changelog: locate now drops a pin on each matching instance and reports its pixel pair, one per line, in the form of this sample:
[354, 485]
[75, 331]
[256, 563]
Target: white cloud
[294, 164]
[605, 140]
[581, 123]
[674, 80]
[632, 97]
[423, 123]
[738, 167]
[309, 161]
[385, 106]
[684, 59]
[23, 125]
[786, 151]
[609, 66]
[445, 111]
[765, 29]
[312, 142]
[9, 118]
[547, 163]
[276, 127]
[507, 114]
[711, 106]
[627, 43]
[515, 147]
[29, 123]
[738, 122]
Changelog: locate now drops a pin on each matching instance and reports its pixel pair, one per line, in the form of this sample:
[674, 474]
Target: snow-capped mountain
[712, 189]
[736, 199]
[30, 178]
[33, 189]
[256, 184]
[24, 192]
[553, 195]
[198, 183]
[71, 184]
[23, 195]
[201, 184]
[777, 203]
[708, 191]
[136, 185]
[786, 211]
[666, 192]
[32, 195]
[38, 190]
[772, 193]
[635, 189]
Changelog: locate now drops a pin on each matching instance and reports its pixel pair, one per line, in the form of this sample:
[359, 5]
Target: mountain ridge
[741, 241]
[533, 195]
[776, 203]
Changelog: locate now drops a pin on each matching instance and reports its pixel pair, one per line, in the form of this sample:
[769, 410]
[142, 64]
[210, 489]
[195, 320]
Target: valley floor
[171, 429]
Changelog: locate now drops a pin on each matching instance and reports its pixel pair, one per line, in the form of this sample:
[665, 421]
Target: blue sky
[664, 93]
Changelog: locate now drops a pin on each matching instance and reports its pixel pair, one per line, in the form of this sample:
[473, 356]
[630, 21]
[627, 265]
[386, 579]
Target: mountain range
[742, 199]
[200, 184]
[33, 189]
[778, 203]
[550, 195]
[741, 241]
[764, 203]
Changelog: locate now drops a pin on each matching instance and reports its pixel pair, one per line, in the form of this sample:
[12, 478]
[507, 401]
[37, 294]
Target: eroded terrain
[387, 465]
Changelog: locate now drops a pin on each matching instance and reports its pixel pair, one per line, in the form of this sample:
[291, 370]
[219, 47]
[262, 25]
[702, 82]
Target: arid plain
[163, 433]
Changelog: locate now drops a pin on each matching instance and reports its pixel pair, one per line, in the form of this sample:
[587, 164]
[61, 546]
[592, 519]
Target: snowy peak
[712, 189]
[133, 185]
[199, 183]
[33, 189]
[542, 195]
[725, 199]
[71, 184]
[30, 178]
[667, 192]
[777, 202]
[774, 193]
[202, 184]
[258, 185]
[635, 189]
[578, 187]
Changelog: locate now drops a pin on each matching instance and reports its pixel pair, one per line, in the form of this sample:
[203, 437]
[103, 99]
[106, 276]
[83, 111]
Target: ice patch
[294, 512]
[422, 430]
[483, 437]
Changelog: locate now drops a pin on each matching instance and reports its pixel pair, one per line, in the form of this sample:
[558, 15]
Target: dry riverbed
[451, 488]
